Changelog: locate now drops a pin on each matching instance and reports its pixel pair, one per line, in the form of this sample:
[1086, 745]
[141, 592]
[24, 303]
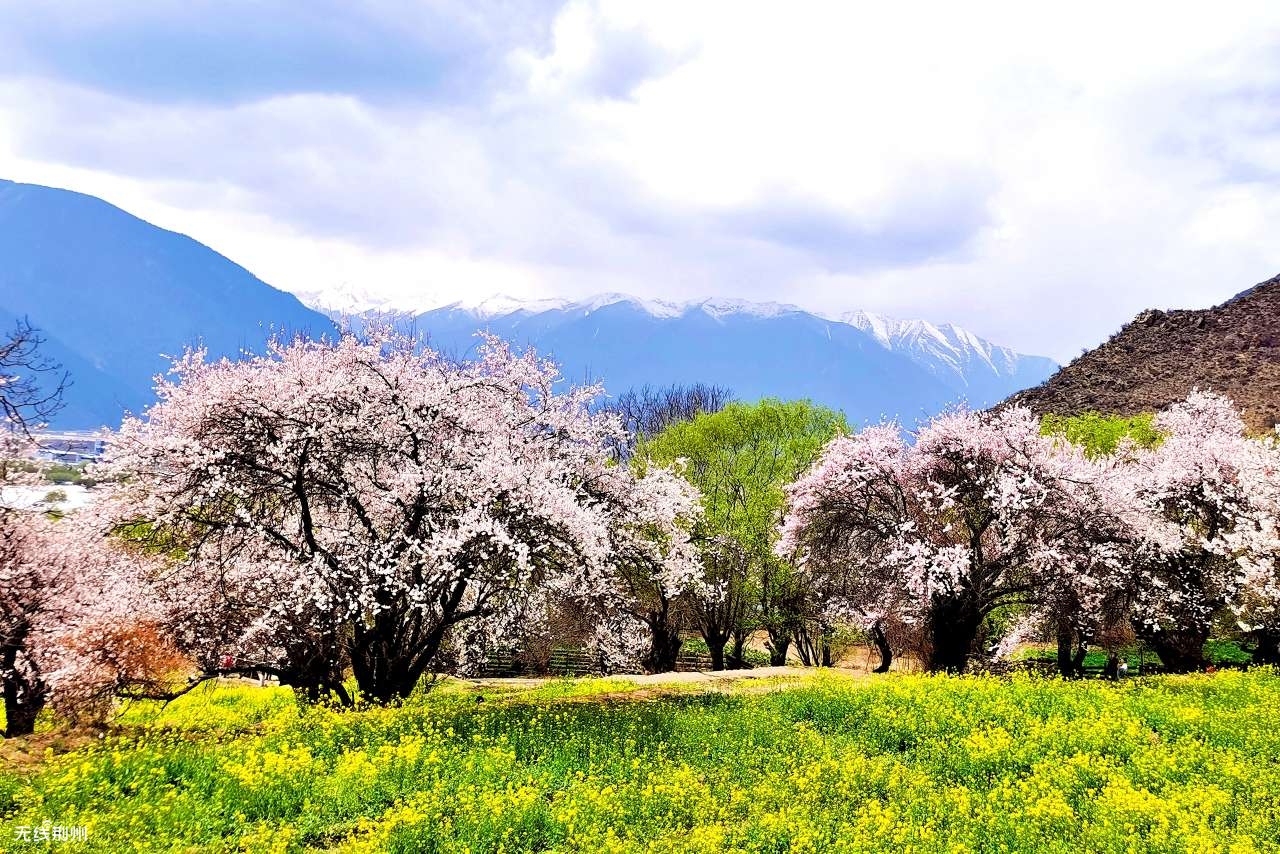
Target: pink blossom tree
[968, 518]
[981, 512]
[652, 572]
[28, 590]
[1083, 598]
[79, 624]
[1256, 607]
[1202, 508]
[365, 502]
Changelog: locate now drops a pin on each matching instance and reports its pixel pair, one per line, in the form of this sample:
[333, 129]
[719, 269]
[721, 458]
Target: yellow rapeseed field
[903, 763]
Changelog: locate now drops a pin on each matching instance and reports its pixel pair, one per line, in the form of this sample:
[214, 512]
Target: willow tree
[740, 459]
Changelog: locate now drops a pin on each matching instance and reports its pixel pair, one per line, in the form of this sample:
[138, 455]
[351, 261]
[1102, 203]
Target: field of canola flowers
[903, 763]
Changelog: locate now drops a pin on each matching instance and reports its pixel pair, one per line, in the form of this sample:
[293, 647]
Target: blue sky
[1038, 176]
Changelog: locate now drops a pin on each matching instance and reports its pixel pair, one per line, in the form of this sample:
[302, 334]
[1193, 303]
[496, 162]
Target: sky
[1038, 175]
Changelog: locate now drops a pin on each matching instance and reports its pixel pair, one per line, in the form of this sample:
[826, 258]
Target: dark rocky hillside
[1159, 357]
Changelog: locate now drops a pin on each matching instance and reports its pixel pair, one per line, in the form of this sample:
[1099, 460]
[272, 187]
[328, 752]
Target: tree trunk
[737, 659]
[953, 626]
[1267, 649]
[389, 658]
[1077, 661]
[1181, 651]
[21, 711]
[811, 644]
[24, 697]
[716, 642]
[881, 640]
[1066, 640]
[313, 672]
[779, 643]
[1070, 655]
[804, 648]
[717, 654]
[664, 647]
[383, 675]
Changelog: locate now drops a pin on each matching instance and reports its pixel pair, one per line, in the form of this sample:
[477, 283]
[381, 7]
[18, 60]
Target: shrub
[1227, 652]
[1100, 434]
[694, 646]
[63, 474]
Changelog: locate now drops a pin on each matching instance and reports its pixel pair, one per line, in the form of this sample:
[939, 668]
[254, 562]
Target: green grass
[1226, 652]
[1217, 652]
[926, 763]
[694, 646]
[698, 646]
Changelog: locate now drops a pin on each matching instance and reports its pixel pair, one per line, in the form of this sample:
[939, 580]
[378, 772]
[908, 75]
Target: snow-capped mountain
[953, 354]
[87, 305]
[868, 365]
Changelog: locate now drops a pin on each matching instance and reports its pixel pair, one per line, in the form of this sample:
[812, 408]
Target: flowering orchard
[368, 510]
[982, 514]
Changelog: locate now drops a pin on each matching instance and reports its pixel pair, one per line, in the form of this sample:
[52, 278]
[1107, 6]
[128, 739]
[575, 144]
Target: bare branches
[647, 411]
[31, 384]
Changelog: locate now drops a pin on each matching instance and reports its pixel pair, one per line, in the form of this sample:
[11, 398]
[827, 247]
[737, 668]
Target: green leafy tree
[740, 459]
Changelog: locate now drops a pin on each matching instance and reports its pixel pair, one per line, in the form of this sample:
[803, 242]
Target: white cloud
[1039, 176]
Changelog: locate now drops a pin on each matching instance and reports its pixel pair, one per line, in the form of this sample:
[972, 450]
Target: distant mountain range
[867, 365]
[113, 294]
[1232, 348]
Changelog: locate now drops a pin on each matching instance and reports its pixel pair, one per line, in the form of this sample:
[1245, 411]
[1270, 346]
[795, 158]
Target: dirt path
[658, 680]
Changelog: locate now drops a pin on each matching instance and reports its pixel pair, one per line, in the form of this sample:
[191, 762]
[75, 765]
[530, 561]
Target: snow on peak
[714, 306]
[722, 307]
[655, 307]
[959, 358]
[500, 305]
[717, 307]
[346, 299]
[943, 348]
[883, 329]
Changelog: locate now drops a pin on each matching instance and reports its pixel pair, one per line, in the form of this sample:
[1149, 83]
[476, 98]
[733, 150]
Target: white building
[70, 448]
